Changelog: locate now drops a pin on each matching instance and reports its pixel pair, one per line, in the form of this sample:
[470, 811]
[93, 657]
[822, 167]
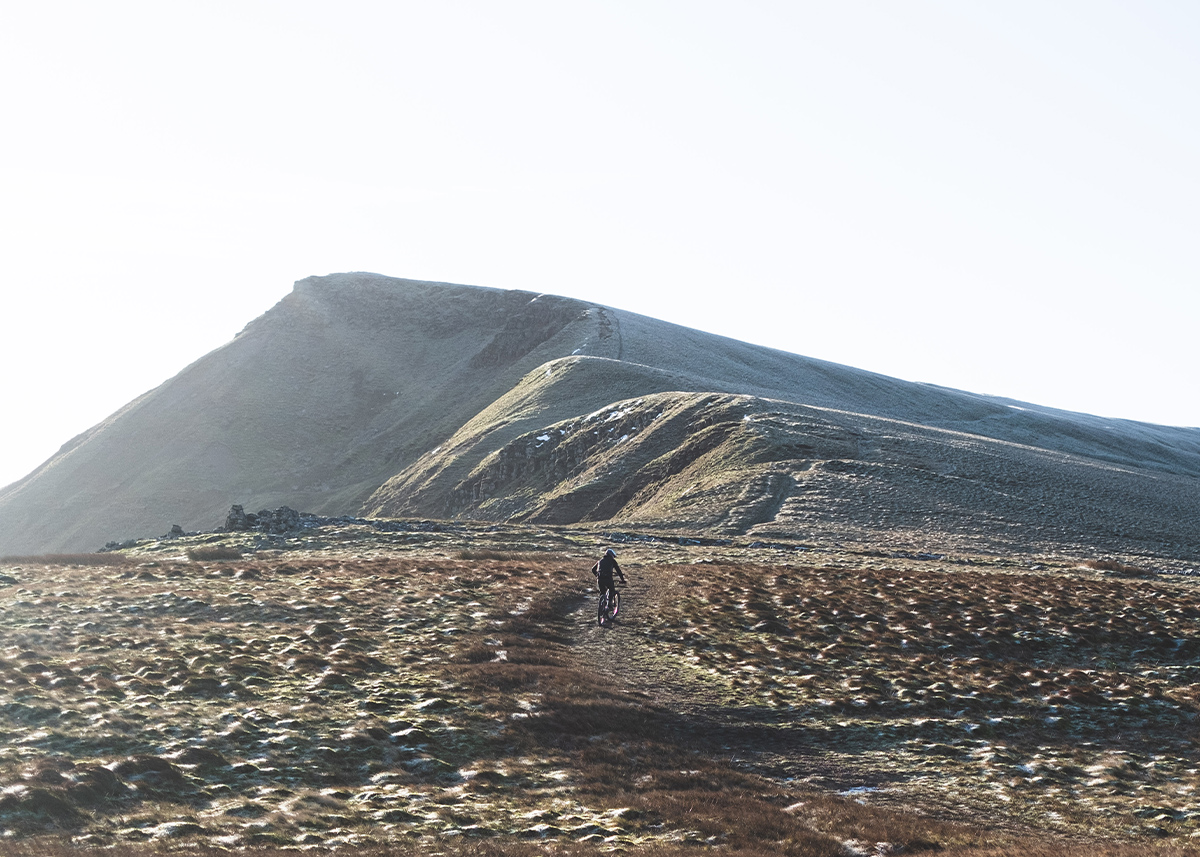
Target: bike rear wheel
[607, 607]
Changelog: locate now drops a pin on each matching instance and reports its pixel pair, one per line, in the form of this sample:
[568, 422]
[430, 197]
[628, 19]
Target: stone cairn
[281, 520]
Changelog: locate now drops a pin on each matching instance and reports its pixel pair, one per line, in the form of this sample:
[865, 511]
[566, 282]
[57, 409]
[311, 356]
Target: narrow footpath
[633, 654]
[626, 651]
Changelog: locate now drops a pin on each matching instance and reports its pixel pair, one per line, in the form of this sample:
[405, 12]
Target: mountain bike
[607, 607]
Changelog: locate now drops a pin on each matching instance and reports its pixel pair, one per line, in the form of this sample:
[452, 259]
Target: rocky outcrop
[281, 520]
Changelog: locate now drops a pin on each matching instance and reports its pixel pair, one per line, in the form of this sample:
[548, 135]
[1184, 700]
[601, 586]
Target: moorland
[865, 616]
[442, 687]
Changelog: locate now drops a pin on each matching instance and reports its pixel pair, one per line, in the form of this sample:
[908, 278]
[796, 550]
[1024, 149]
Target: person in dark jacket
[603, 572]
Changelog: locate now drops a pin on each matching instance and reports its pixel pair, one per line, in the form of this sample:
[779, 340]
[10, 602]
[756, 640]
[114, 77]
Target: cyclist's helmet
[611, 552]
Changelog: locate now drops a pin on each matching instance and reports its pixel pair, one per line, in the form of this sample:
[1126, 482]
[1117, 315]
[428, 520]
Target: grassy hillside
[360, 393]
[313, 405]
[738, 465]
[556, 391]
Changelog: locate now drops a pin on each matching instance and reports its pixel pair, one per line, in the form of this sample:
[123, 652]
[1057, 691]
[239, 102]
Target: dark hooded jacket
[605, 568]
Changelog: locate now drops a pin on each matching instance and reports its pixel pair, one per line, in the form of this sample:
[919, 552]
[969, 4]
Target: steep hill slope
[359, 392]
[313, 405]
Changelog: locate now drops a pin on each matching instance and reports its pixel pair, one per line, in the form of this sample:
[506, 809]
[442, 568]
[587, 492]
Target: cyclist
[603, 572]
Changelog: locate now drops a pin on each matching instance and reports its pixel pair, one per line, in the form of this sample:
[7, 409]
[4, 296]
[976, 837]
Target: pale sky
[1002, 196]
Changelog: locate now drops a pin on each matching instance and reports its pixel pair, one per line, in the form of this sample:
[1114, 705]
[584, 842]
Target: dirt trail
[643, 658]
[626, 650]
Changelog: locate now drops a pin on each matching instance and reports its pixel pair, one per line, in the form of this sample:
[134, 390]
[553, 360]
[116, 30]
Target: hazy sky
[1001, 196]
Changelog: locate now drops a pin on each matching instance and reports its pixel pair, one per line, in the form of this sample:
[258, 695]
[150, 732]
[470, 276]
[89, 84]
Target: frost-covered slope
[735, 465]
[313, 405]
[363, 393]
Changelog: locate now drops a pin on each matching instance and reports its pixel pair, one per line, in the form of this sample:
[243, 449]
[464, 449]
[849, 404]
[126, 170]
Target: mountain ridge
[364, 393]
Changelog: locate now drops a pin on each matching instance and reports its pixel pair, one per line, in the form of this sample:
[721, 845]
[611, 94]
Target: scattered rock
[323, 631]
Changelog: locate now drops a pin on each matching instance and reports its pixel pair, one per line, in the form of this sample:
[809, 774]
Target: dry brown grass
[457, 847]
[209, 553]
[622, 751]
[101, 558]
[1117, 566]
[379, 702]
[1034, 847]
[507, 555]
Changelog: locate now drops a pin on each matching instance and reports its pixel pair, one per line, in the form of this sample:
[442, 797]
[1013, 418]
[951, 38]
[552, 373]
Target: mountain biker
[603, 572]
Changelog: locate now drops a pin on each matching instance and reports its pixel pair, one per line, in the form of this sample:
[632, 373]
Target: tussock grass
[206, 553]
[1117, 566]
[89, 559]
[624, 751]
[335, 701]
[805, 846]
[1033, 847]
[494, 554]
